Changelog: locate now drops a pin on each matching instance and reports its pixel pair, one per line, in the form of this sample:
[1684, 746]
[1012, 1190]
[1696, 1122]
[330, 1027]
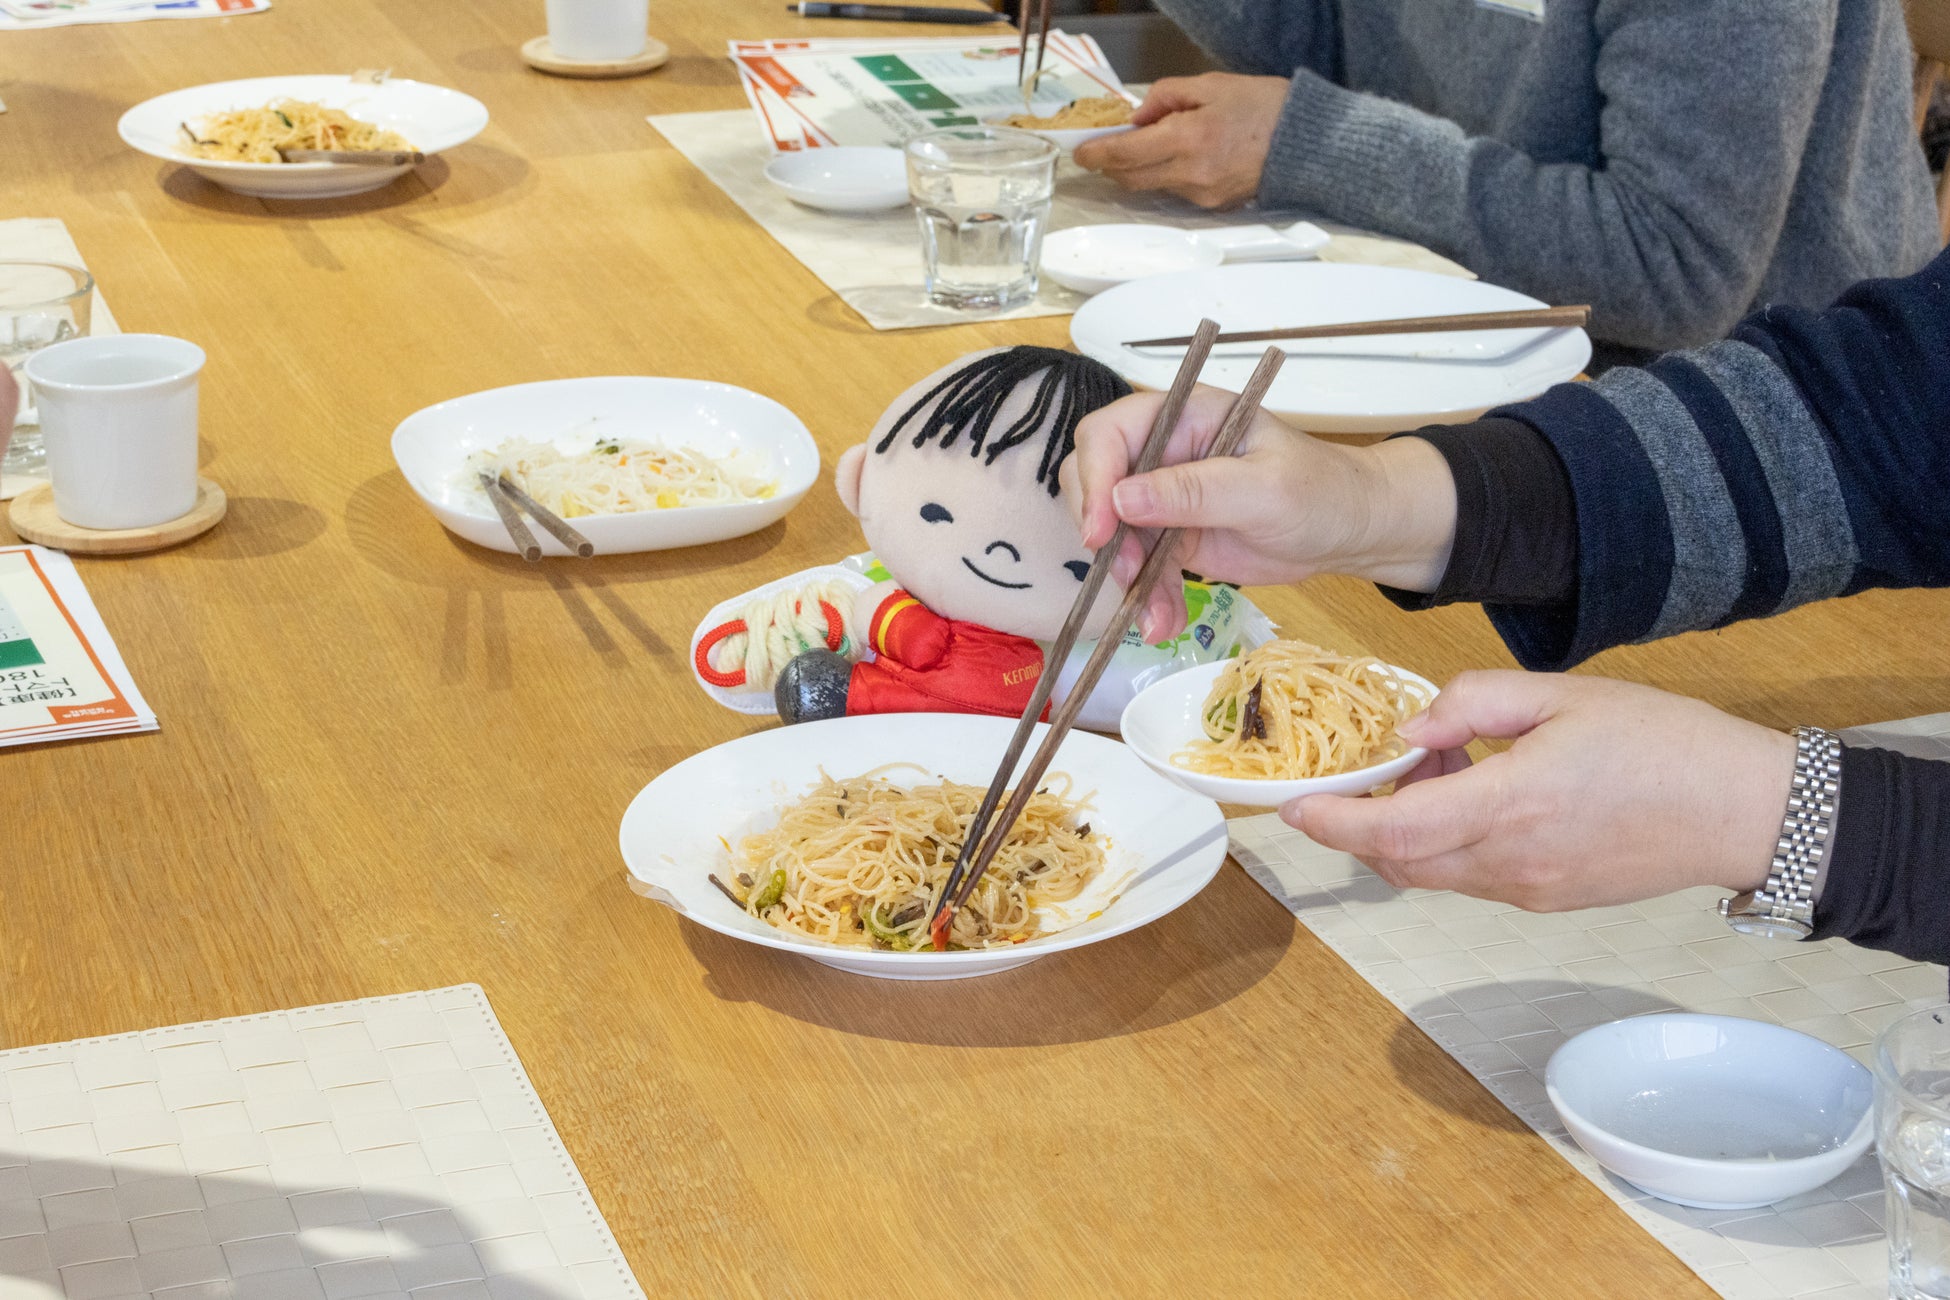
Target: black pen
[895, 13]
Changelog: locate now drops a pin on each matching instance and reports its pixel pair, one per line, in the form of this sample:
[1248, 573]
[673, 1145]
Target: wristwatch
[1784, 907]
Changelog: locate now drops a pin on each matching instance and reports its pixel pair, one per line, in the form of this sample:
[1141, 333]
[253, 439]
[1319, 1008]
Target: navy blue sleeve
[1808, 456]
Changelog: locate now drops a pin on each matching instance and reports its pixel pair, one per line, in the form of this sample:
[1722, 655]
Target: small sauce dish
[1712, 1111]
[1091, 259]
[846, 178]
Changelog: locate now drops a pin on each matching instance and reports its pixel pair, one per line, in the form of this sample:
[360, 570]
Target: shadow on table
[1496, 1029]
[254, 527]
[1184, 964]
[472, 173]
[138, 1222]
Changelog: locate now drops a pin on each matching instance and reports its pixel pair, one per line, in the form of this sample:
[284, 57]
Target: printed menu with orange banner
[61, 677]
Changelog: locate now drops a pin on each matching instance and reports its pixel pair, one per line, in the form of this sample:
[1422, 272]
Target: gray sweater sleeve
[1707, 106]
[1269, 37]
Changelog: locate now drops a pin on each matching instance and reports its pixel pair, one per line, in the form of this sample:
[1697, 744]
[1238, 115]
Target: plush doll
[957, 492]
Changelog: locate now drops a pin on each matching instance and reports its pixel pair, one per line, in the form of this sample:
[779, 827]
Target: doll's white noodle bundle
[750, 651]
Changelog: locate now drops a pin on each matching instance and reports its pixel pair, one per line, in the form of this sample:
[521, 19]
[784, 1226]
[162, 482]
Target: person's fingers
[1437, 762]
[1213, 493]
[1496, 705]
[1107, 442]
[1168, 95]
[1147, 146]
[1426, 819]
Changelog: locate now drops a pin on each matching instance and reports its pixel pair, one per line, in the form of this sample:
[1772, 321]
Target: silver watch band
[1788, 897]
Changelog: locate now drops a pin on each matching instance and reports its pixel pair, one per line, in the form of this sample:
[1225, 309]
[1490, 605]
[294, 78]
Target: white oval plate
[1064, 140]
[1167, 716]
[1091, 259]
[849, 178]
[432, 447]
[1164, 844]
[432, 118]
[1359, 385]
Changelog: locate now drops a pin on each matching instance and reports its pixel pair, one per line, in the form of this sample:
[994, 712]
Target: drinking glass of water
[981, 195]
[1912, 1069]
[40, 303]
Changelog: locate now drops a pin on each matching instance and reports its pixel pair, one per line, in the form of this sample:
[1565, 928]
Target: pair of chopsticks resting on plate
[985, 838]
[509, 501]
[1519, 319]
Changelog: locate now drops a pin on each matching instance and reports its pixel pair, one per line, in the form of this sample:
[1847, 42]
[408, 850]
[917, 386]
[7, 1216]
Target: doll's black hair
[1072, 386]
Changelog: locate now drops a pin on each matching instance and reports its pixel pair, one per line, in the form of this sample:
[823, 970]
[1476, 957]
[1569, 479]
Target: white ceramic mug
[118, 412]
[598, 31]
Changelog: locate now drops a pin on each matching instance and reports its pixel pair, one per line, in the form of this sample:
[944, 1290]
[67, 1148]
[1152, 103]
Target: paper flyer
[61, 676]
[21, 15]
[813, 93]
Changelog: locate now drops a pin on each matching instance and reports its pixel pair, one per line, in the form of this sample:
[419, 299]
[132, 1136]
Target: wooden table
[392, 761]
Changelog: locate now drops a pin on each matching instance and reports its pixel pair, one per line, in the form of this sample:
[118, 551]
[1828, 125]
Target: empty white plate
[1091, 259]
[1357, 385]
[432, 118]
[432, 447]
[1163, 844]
[1169, 714]
[847, 178]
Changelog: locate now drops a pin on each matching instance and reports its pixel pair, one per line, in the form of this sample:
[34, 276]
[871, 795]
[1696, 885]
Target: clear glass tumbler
[40, 303]
[1912, 1069]
[981, 195]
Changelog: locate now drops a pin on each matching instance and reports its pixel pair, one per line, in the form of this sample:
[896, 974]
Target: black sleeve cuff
[1888, 880]
[1516, 519]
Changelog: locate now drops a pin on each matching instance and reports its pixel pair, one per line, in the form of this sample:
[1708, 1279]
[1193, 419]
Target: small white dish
[847, 178]
[1712, 1111]
[432, 118]
[432, 447]
[1068, 140]
[1091, 259]
[1167, 716]
[1164, 845]
[1382, 384]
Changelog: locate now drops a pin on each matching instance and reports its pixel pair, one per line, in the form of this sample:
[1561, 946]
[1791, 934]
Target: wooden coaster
[537, 54]
[33, 517]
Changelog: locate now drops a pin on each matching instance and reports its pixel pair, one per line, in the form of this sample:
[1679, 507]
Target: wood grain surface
[390, 760]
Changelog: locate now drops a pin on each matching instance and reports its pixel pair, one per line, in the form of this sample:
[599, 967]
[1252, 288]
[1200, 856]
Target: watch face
[1768, 927]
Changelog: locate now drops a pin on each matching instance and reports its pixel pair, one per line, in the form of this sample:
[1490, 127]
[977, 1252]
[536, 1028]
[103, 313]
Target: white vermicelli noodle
[621, 476]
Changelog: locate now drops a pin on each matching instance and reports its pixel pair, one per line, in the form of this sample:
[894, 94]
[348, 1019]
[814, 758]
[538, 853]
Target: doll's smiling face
[972, 539]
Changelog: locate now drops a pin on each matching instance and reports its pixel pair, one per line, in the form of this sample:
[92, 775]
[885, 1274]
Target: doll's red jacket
[931, 664]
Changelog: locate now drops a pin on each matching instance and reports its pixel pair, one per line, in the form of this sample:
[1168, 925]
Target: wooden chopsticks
[1039, 22]
[509, 500]
[1525, 318]
[972, 860]
[356, 157]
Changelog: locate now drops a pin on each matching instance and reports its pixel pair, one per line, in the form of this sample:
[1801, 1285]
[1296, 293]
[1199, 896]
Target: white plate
[1167, 716]
[1064, 140]
[1360, 385]
[432, 447]
[1164, 844]
[1712, 1111]
[849, 178]
[432, 118]
[1091, 259]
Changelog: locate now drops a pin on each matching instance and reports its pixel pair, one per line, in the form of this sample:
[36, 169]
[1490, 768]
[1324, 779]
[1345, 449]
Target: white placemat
[1499, 989]
[46, 239]
[873, 260]
[390, 1147]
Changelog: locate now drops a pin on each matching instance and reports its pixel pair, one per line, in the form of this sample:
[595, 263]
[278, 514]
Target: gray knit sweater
[1671, 162]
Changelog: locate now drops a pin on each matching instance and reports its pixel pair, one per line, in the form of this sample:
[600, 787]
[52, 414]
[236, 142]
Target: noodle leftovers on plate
[861, 863]
[1090, 114]
[619, 476]
[255, 135]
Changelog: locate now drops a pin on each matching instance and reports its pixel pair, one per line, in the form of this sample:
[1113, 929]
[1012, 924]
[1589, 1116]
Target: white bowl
[848, 178]
[432, 118]
[1168, 715]
[1068, 140]
[1712, 1111]
[432, 447]
[1164, 845]
[1091, 259]
[1357, 385]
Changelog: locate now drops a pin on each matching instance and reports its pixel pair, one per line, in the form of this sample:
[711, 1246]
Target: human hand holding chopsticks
[1288, 506]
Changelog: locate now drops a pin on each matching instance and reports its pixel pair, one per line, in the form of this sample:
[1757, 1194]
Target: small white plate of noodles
[1325, 725]
[427, 119]
[782, 835]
